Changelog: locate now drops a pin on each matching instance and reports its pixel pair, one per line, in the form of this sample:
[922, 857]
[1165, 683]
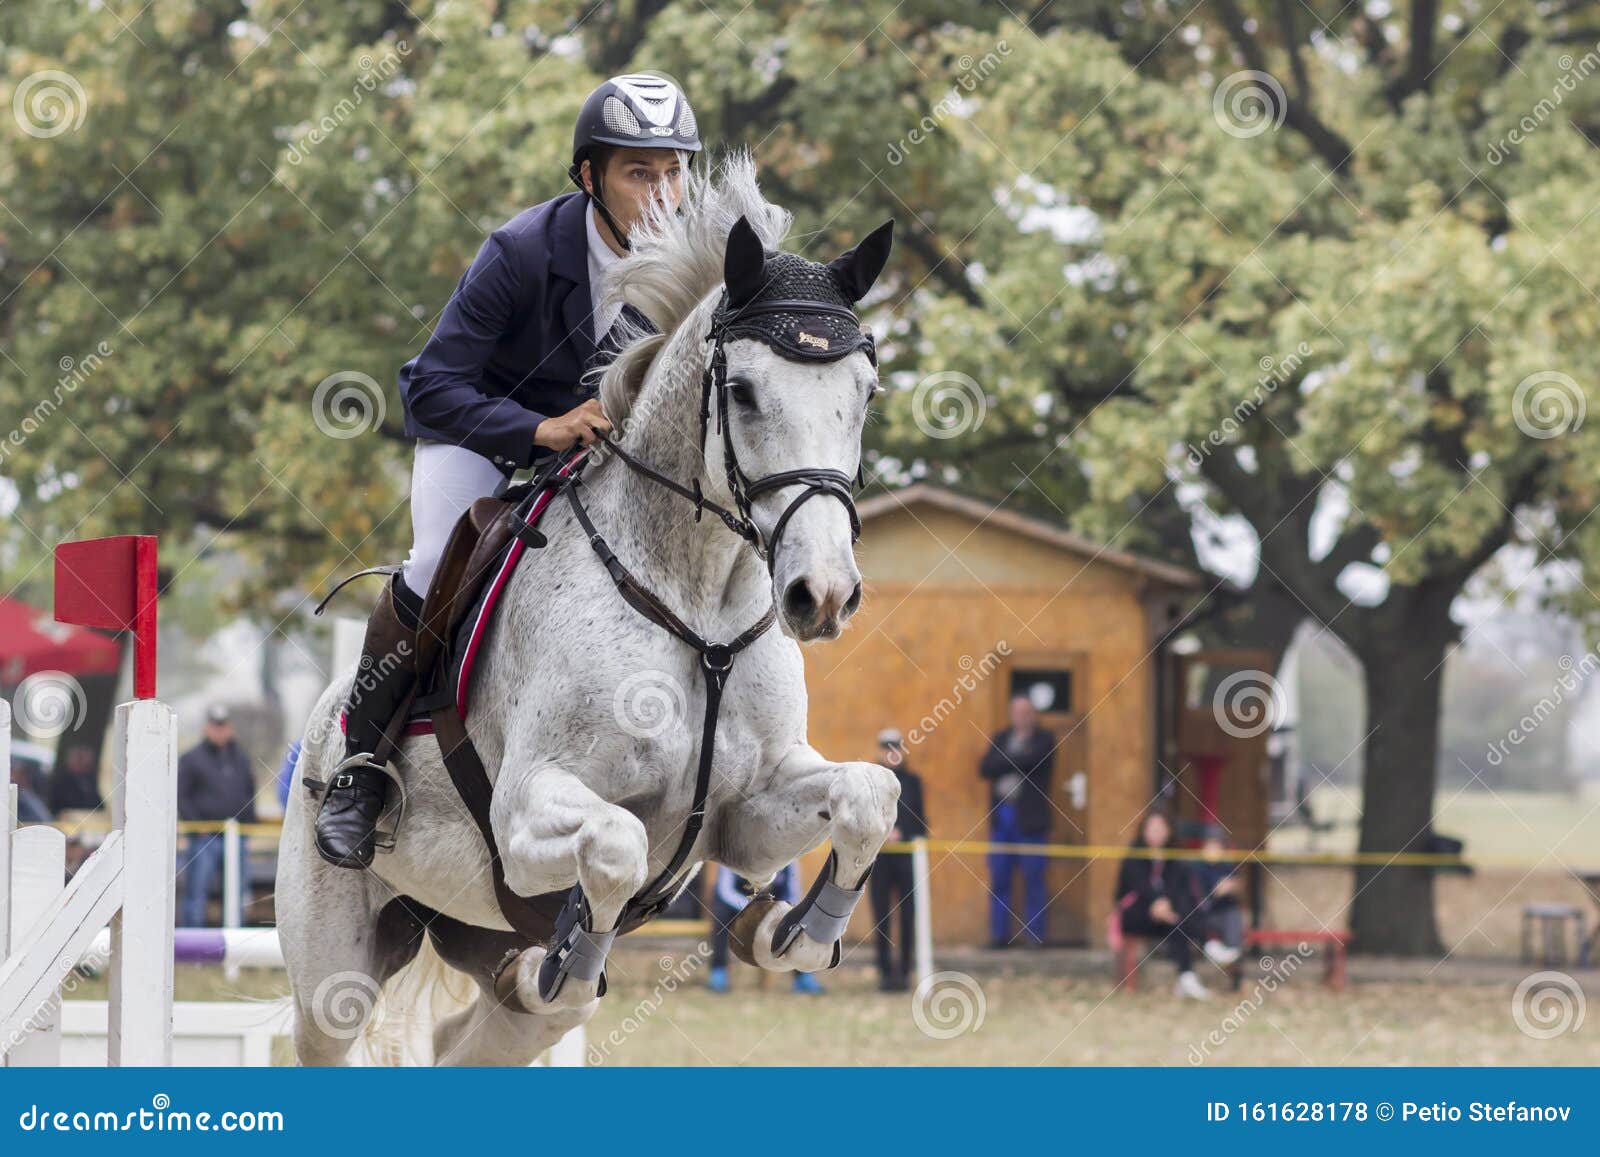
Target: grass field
[1050, 1008]
[1057, 1007]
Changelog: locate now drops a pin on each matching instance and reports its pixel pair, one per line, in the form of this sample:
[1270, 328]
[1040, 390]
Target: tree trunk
[1392, 910]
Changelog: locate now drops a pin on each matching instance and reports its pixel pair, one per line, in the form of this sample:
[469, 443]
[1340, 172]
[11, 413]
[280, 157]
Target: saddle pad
[474, 628]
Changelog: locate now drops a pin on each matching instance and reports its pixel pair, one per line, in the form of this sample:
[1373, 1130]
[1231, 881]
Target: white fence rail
[126, 885]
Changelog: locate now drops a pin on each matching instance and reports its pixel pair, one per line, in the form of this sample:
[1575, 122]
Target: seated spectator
[1156, 897]
[75, 786]
[729, 896]
[1217, 881]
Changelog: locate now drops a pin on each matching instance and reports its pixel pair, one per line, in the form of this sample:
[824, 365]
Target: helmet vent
[686, 129]
[619, 118]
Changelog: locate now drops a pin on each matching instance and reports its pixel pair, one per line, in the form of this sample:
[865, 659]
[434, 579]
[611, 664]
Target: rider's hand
[1162, 912]
[584, 425]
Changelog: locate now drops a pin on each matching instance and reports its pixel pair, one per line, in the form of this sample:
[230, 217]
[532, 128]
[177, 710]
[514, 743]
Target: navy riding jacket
[513, 340]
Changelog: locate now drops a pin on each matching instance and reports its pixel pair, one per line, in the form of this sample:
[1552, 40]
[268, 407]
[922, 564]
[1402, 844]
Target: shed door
[1056, 684]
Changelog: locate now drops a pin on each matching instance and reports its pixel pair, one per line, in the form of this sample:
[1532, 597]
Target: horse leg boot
[556, 829]
[347, 834]
[805, 798]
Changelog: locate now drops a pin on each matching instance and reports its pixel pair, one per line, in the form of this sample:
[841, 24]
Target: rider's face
[633, 176]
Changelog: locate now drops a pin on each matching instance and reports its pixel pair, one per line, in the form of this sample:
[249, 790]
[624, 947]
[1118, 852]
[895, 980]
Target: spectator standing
[891, 884]
[214, 783]
[1157, 897]
[1018, 766]
[74, 785]
[729, 896]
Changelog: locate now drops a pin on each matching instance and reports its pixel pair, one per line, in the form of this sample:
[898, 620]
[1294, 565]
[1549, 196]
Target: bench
[1546, 924]
[1334, 946]
[1130, 950]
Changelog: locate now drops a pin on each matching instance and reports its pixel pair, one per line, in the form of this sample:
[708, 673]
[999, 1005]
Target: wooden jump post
[128, 883]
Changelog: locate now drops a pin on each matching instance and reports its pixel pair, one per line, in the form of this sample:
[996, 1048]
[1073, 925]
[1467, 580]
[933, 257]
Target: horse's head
[799, 372]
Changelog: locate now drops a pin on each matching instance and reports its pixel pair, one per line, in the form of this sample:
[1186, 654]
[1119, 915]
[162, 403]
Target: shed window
[1050, 690]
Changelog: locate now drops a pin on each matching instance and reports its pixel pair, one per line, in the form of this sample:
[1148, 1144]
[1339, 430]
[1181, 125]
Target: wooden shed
[967, 603]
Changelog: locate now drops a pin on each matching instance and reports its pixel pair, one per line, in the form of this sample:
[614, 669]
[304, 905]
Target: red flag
[111, 582]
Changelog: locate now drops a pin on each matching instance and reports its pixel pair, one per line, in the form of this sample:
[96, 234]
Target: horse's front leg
[553, 830]
[806, 798]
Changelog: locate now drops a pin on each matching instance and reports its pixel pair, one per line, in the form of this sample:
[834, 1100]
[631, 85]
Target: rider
[497, 388]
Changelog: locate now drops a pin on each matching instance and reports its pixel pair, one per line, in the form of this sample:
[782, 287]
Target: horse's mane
[676, 261]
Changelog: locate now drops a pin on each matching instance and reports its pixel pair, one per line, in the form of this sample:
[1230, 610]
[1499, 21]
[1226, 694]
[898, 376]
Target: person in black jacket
[73, 786]
[1018, 766]
[500, 385]
[1159, 898]
[214, 783]
[891, 872]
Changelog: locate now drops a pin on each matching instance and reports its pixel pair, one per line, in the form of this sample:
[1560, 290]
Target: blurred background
[1236, 355]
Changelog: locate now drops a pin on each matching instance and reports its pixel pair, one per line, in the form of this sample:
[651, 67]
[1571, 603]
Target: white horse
[589, 716]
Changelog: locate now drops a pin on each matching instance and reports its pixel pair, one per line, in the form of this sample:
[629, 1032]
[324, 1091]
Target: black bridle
[815, 479]
[716, 659]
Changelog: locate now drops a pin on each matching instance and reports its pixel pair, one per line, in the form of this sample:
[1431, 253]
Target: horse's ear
[857, 269]
[745, 261]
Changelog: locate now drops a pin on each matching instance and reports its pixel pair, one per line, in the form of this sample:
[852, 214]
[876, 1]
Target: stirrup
[386, 828]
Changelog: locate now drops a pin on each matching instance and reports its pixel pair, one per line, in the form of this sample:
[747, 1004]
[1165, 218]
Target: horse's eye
[741, 391]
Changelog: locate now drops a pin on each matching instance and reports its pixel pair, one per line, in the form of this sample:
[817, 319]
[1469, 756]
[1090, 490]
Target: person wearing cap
[214, 783]
[890, 884]
[499, 386]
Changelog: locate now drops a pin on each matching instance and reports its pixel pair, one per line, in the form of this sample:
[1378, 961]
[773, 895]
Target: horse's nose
[816, 607]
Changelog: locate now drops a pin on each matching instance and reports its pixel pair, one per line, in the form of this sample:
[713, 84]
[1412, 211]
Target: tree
[1322, 285]
[1313, 270]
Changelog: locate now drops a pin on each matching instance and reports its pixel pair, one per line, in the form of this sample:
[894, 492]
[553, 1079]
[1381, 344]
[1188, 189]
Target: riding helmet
[642, 110]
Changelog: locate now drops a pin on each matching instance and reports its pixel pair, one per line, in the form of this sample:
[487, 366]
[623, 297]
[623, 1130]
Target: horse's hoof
[742, 932]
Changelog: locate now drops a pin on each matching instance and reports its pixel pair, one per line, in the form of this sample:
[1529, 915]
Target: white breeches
[445, 480]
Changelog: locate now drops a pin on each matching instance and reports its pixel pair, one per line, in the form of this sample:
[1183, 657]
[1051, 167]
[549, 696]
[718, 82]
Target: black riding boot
[347, 823]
